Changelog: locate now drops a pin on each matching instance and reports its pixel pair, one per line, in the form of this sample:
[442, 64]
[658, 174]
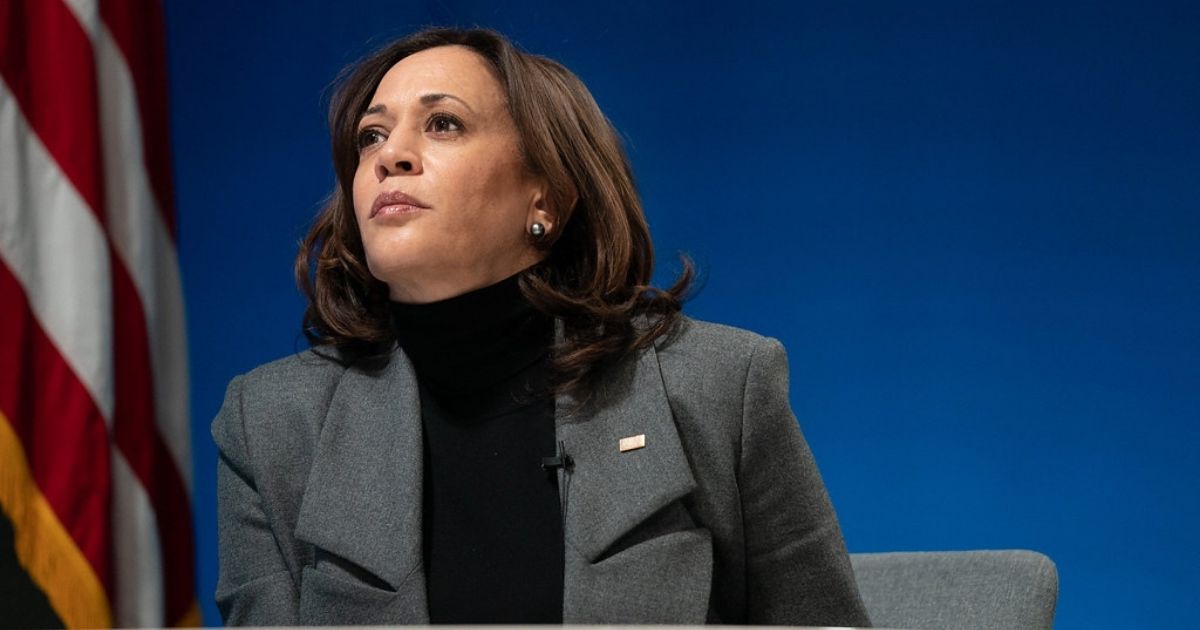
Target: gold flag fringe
[190, 618]
[44, 548]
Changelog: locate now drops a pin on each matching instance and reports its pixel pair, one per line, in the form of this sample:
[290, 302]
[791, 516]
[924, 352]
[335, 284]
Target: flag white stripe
[87, 13]
[137, 577]
[57, 250]
[144, 245]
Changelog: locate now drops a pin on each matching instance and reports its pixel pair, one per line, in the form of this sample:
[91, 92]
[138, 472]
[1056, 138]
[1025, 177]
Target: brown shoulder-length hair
[599, 259]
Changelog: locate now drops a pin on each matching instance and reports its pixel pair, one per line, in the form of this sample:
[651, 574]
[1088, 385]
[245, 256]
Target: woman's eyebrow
[430, 99]
[374, 109]
[426, 100]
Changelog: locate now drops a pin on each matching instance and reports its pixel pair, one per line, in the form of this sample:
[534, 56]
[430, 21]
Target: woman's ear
[551, 211]
[542, 213]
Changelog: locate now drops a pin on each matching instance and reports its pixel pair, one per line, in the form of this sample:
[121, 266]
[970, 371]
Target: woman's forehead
[448, 70]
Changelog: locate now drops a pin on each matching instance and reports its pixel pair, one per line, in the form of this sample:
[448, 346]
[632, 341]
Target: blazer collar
[364, 491]
[365, 488]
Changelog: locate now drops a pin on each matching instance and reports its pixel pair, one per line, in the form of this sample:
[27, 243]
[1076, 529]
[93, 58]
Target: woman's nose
[397, 157]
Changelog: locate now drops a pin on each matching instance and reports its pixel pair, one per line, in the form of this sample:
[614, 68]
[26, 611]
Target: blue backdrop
[974, 226]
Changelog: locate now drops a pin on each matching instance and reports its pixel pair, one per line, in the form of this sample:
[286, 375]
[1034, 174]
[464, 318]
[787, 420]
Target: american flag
[95, 464]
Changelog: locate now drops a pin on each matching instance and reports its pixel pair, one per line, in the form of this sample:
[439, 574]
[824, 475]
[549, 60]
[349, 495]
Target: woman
[499, 420]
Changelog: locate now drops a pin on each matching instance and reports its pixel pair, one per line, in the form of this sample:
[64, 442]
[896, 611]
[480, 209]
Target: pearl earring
[537, 230]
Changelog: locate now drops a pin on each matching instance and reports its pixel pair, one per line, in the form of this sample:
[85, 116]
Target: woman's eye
[441, 123]
[368, 137]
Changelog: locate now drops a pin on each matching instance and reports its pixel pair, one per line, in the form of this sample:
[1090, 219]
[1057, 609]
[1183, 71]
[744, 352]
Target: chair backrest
[960, 590]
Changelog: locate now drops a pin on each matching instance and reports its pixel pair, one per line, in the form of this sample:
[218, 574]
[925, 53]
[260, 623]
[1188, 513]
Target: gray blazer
[722, 517]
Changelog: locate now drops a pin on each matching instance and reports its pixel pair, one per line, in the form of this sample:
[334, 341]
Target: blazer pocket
[335, 591]
[347, 570]
[664, 580]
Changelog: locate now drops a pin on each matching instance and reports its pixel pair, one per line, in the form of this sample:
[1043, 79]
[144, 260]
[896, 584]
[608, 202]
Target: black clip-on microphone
[562, 460]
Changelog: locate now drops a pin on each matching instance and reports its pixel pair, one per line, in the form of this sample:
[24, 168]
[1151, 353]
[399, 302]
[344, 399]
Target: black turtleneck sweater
[492, 529]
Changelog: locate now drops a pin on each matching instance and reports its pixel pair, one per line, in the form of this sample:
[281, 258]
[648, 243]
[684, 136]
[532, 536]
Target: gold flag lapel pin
[633, 442]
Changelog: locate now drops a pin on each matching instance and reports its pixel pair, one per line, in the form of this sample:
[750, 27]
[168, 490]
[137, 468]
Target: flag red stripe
[138, 439]
[46, 59]
[138, 28]
[60, 428]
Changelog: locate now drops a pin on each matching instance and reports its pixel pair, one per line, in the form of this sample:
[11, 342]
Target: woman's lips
[395, 202]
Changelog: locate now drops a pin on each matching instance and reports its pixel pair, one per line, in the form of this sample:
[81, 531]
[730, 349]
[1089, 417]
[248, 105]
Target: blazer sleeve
[254, 586]
[798, 571]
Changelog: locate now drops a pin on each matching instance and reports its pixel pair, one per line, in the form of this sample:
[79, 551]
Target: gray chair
[960, 590]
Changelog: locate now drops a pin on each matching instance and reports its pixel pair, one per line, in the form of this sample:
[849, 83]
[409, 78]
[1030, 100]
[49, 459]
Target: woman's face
[442, 197]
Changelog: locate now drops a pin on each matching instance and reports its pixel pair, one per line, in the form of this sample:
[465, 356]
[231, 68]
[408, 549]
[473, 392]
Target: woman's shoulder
[717, 346]
[714, 361]
[279, 405]
[303, 370]
[716, 379]
[298, 383]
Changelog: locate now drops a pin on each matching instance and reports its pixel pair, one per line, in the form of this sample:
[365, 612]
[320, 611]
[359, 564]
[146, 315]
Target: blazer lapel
[364, 494]
[633, 554]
